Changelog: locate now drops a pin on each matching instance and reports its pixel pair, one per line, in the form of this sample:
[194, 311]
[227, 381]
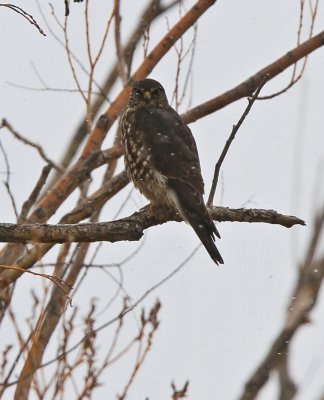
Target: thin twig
[189, 74]
[152, 319]
[87, 29]
[93, 61]
[47, 88]
[23, 13]
[122, 313]
[57, 281]
[23, 346]
[70, 60]
[294, 77]
[28, 142]
[230, 140]
[46, 325]
[7, 181]
[122, 65]
[179, 393]
[62, 43]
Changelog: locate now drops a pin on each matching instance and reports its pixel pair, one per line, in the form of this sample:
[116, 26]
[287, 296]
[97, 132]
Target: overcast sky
[216, 322]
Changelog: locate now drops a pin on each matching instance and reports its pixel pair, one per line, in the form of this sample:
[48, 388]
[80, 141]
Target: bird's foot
[152, 208]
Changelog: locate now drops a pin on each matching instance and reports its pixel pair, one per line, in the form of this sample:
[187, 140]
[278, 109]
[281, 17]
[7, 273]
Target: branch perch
[130, 228]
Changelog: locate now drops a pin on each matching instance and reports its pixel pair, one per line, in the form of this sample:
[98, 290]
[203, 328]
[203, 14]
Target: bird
[162, 161]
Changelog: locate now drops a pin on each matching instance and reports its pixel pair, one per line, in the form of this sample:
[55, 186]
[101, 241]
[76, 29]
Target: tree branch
[247, 87]
[25, 14]
[130, 228]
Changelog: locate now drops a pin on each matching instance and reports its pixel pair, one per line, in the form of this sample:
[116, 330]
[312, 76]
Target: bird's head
[148, 92]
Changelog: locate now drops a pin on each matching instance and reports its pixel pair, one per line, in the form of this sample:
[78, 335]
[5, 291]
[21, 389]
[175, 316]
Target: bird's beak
[147, 95]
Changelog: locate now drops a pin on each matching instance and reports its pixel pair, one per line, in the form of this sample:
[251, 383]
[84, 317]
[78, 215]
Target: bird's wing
[175, 152]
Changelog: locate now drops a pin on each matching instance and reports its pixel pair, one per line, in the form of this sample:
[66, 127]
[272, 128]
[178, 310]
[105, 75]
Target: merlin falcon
[161, 159]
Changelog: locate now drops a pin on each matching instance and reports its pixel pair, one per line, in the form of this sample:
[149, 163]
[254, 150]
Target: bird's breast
[140, 163]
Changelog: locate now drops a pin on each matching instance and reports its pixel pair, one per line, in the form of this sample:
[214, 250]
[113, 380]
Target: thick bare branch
[129, 228]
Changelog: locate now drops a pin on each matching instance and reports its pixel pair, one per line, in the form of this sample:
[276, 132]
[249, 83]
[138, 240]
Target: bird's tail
[191, 207]
[207, 238]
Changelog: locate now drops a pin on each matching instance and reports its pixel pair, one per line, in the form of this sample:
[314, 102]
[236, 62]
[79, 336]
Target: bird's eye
[137, 93]
[157, 91]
